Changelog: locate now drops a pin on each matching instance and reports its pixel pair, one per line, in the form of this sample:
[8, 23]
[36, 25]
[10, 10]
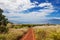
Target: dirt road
[29, 35]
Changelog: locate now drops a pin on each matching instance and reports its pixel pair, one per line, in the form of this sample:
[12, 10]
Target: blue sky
[30, 11]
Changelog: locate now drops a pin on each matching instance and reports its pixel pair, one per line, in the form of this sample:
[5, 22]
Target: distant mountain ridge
[45, 21]
[54, 21]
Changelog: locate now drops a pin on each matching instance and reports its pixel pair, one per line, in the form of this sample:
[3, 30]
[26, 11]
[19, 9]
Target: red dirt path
[29, 35]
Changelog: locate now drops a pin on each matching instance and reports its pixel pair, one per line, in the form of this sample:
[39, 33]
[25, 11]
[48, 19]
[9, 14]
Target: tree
[3, 22]
[3, 19]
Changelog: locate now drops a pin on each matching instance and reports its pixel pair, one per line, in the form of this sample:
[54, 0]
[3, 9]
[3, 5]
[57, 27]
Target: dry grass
[13, 34]
[41, 32]
[47, 32]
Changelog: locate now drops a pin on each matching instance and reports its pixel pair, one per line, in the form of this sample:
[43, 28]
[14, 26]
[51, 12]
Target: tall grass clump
[2, 37]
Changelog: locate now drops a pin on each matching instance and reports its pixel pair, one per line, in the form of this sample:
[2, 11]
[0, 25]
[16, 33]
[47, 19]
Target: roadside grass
[48, 33]
[13, 34]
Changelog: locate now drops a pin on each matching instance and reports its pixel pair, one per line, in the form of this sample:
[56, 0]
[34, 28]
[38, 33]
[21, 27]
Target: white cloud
[46, 5]
[20, 5]
[15, 5]
[33, 16]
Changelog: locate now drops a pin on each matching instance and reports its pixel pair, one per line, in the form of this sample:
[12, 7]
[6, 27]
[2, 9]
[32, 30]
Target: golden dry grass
[47, 32]
[41, 33]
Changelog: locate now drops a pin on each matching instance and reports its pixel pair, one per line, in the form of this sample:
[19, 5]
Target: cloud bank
[13, 9]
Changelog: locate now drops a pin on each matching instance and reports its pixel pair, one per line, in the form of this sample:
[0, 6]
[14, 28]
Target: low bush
[3, 29]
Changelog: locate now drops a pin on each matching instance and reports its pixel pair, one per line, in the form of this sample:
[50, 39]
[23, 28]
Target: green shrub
[17, 27]
[3, 29]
